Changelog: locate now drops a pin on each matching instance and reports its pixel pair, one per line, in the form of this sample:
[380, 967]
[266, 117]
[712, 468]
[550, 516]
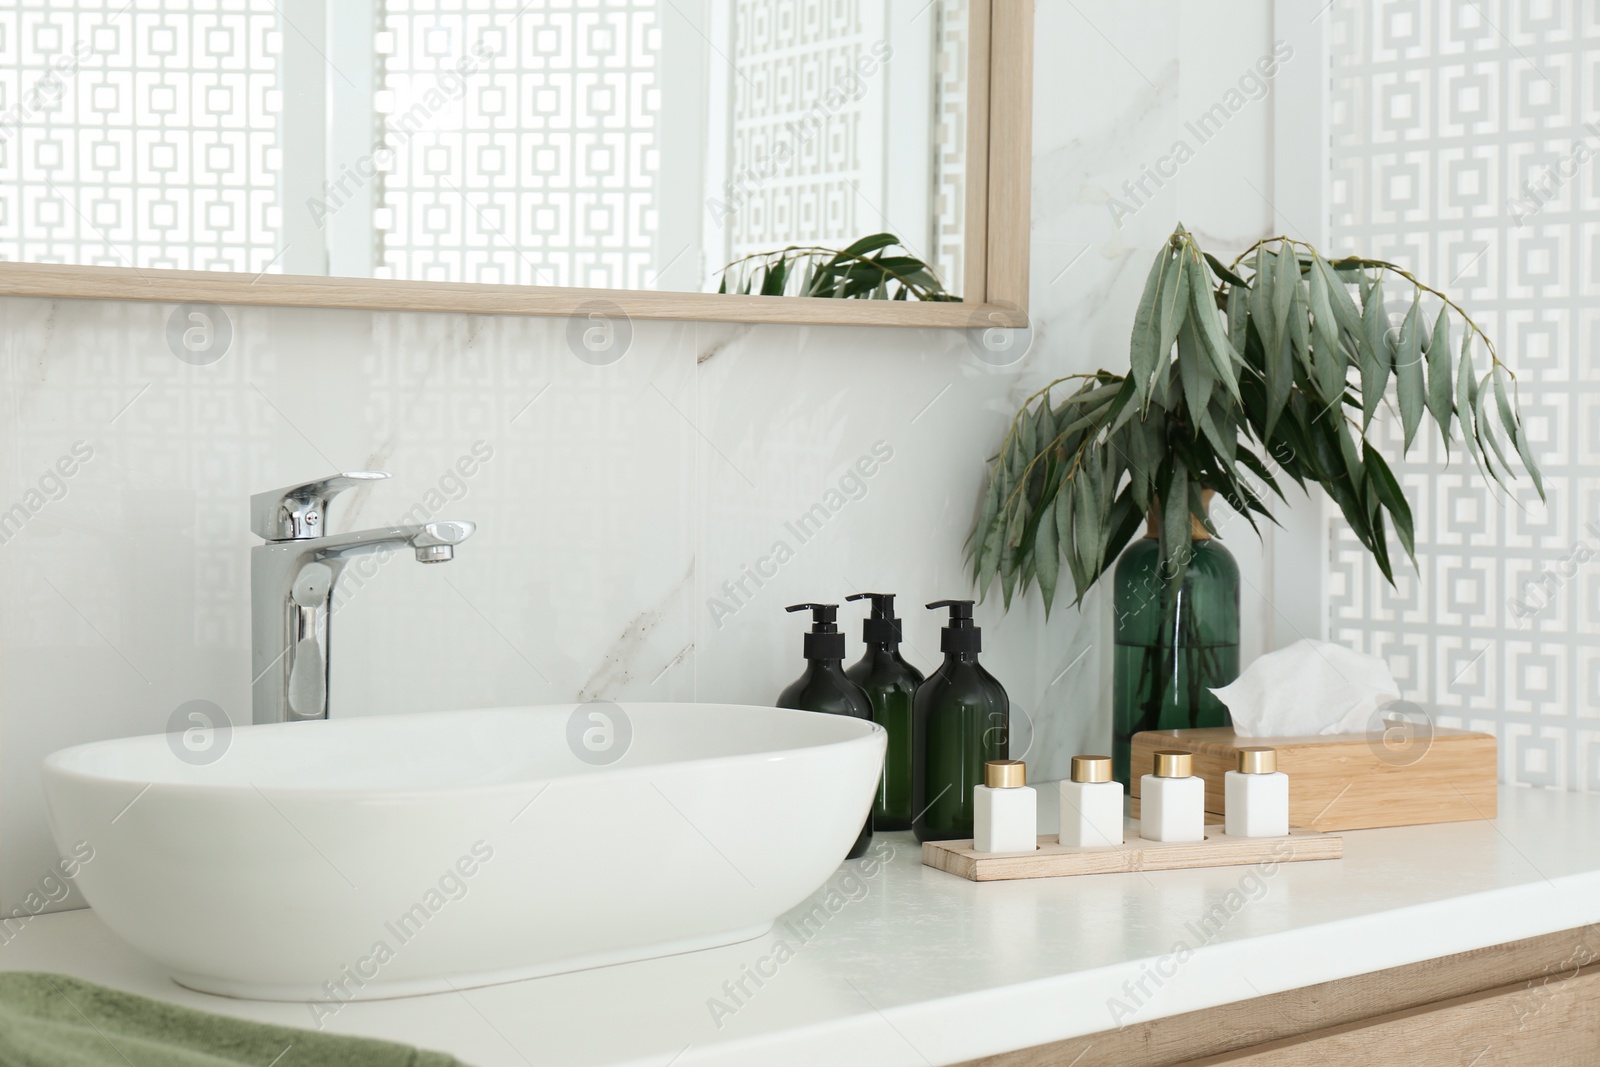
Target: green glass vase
[1168, 657]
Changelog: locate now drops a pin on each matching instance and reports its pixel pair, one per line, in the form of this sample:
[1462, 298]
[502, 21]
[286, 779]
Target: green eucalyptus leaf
[772, 285]
[1408, 371]
[1011, 553]
[1508, 419]
[981, 530]
[1108, 476]
[1253, 463]
[1223, 443]
[1144, 343]
[1354, 468]
[1440, 387]
[1280, 379]
[1284, 285]
[1123, 409]
[1049, 425]
[1086, 521]
[1376, 357]
[1525, 453]
[1195, 372]
[1172, 307]
[1391, 496]
[1238, 316]
[1514, 430]
[1223, 272]
[1125, 519]
[1486, 432]
[1241, 497]
[1028, 431]
[1131, 441]
[1344, 308]
[1299, 330]
[1146, 469]
[1046, 556]
[1327, 357]
[1168, 390]
[1466, 403]
[1378, 545]
[1213, 342]
[1262, 301]
[867, 244]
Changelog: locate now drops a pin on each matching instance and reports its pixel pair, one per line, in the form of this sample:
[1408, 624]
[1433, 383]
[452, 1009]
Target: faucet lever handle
[299, 512]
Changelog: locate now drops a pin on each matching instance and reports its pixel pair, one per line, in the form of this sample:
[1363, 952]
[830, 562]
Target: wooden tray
[1055, 860]
[1349, 781]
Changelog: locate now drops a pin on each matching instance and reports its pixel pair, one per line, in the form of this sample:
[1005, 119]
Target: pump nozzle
[882, 627]
[824, 641]
[882, 603]
[822, 615]
[959, 609]
[959, 635]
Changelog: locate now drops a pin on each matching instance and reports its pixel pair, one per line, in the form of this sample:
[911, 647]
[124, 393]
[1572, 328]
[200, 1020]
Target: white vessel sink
[380, 857]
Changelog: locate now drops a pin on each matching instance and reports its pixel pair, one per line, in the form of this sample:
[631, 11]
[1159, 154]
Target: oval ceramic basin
[377, 857]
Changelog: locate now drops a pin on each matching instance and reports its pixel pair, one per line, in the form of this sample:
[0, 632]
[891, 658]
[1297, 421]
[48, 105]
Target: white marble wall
[619, 499]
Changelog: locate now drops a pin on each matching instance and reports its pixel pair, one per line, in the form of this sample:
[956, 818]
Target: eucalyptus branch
[1205, 396]
[1392, 268]
[1468, 320]
[1044, 451]
[834, 271]
[1026, 404]
[1077, 457]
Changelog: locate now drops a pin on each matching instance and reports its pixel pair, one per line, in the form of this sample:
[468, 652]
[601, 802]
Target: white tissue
[1311, 687]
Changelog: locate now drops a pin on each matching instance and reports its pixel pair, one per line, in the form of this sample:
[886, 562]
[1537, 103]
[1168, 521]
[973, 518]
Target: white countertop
[920, 967]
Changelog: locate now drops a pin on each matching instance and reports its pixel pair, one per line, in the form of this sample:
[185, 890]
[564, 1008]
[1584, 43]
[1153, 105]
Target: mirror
[610, 144]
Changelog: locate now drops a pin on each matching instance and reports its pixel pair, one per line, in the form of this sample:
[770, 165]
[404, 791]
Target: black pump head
[823, 616]
[824, 641]
[959, 634]
[882, 627]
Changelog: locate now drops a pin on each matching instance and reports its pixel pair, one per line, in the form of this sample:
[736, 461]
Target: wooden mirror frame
[994, 288]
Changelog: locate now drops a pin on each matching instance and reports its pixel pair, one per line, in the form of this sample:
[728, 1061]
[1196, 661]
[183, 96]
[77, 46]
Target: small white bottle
[1091, 805]
[1172, 802]
[1005, 814]
[1256, 796]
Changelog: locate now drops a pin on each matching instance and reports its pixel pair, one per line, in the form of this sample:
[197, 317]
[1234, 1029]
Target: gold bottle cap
[1005, 773]
[1258, 760]
[1174, 764]
[1091, 768]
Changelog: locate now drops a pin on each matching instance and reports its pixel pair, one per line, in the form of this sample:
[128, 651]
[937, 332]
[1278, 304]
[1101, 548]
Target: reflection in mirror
[618, 144]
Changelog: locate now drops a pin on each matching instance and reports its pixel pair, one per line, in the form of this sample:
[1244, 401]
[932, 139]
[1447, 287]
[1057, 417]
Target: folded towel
[50, 1020]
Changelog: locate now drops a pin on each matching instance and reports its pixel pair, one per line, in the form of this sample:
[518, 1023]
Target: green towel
[50, 1020]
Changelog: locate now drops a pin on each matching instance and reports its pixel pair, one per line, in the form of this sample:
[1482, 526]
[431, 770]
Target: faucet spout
[445, 534]
[438, 540]
[294, 580]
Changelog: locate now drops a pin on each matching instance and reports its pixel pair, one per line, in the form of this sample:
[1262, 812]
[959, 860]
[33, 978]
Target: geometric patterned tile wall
[539, 168]
[139, 138]
[1466, 145]
[950, 140]
[788, 57]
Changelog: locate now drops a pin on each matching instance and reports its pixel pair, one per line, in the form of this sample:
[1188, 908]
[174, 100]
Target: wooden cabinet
[1533, 1003]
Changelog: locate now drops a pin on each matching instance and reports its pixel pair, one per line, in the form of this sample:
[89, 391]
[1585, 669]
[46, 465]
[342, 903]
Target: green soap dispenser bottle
[891, 685]
[824, 687]
[963, 719]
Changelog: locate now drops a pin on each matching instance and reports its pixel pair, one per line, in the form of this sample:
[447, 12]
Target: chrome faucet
[293, 579]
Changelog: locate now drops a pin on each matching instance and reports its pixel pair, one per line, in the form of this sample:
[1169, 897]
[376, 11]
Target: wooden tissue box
[1348, 781]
